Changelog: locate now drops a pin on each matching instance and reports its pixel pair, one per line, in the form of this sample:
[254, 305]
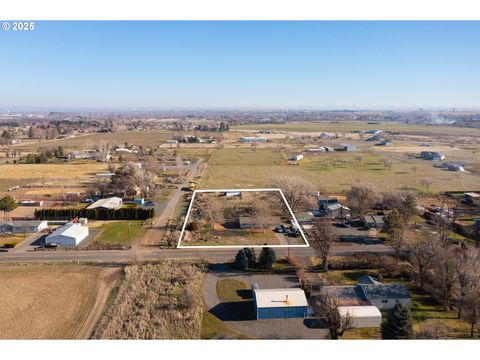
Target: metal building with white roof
[362, 316]
[68, 235]
[280, 303]
[108, 203]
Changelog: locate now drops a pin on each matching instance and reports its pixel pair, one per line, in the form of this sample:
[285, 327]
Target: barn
[279, 303]
[68, 235]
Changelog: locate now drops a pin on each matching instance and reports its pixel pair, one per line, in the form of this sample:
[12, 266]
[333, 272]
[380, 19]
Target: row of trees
[247, 259]
[95, 214]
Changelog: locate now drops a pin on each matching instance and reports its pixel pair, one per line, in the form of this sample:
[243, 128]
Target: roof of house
[360, 311]
[70, 230]
[367, 280]
[386, 291]
[269, 298]
[110, 202]
[337, 206]
[346, 295]
[22, 222]
[472, 194]
[260, 220]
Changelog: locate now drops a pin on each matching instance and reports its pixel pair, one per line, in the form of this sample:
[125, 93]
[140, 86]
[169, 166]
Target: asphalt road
[152, 254]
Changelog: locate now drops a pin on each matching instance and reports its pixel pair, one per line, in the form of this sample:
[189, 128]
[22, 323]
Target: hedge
[95, 214]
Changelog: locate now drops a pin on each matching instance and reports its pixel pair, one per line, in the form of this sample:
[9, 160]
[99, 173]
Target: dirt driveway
[239, 315]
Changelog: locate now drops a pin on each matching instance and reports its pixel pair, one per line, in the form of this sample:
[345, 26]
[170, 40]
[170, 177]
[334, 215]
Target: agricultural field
[246, 219]
[53, 301]
[332, 172]
[349, 126]
[61, 176]
[156, 301]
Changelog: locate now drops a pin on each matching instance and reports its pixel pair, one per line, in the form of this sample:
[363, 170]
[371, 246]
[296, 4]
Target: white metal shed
[362, 316]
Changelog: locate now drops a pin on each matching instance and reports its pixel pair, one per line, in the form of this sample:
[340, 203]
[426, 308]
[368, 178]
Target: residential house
[432, 155]
[21, 227]
[347, 147]
[472, 198]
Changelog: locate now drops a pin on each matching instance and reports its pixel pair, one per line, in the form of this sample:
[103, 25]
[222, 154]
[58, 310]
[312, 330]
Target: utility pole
[129, 236]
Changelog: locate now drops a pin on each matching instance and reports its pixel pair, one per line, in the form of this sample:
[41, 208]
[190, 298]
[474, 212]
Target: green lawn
[228, 290]
[116, 232]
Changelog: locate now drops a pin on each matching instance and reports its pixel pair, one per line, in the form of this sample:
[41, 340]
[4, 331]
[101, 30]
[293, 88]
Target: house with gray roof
[369, 291]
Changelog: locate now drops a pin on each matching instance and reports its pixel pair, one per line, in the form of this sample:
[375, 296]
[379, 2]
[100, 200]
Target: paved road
[152, 254]
[166, 211]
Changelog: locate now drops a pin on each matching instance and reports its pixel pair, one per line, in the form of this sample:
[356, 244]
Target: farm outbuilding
[280, 303]
[107, 203]
[68, 235]
[27, 226]
[362, 316]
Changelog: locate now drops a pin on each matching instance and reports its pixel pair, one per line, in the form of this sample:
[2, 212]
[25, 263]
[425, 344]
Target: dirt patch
[52, 301]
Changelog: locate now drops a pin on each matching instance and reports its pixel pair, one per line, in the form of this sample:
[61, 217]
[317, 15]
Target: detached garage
[69, 235]
[362, 316]
[279, 303]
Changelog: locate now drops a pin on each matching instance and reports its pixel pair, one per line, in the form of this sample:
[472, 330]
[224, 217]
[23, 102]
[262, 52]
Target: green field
[333, 172]
[116, 232]
[349, 126]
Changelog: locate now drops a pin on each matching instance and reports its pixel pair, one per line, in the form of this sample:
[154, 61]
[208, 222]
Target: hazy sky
[165, 65]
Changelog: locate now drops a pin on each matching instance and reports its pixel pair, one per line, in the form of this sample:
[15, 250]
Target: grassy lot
[61, 174]
[228, 290]
[150, 138]
[348, 126]
[37, 300]
[12, 239]
[116, 232]
[214, 328]
[156, 301]
[334, 172]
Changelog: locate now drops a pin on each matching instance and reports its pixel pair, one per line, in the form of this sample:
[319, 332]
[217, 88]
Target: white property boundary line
[239, 246]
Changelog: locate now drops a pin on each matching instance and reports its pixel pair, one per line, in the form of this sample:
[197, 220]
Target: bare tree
[362, 197]
[297, 192]
[426, 182]
[322, 235]
[444, 279]
[326, 308]
[395, 228]
[423, 255]
[442, 226]
[403, 201]
[387, 162]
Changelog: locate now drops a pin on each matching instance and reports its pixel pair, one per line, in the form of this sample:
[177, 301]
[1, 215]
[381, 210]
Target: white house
[296, 157]
[68, 235]
[107, 203]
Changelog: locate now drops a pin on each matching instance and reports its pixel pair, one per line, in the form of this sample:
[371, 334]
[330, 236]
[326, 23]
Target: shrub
[267, 258]
[251, 256]
[241, 261]
[194, 226]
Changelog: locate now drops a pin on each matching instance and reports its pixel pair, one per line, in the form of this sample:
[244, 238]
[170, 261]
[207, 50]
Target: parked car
[51, 246]
[344, 224]
[280, 229]
[87, 201]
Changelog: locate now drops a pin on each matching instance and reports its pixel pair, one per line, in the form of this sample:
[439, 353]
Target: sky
[240, 65]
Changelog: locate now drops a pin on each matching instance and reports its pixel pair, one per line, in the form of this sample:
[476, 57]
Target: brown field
[160, 301]
[47, 301]
[333, 172]
[70, 175]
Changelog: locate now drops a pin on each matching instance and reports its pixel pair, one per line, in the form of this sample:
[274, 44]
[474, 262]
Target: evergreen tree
[241, 261]
[251, 256]
[398, 324]
[267, 258]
